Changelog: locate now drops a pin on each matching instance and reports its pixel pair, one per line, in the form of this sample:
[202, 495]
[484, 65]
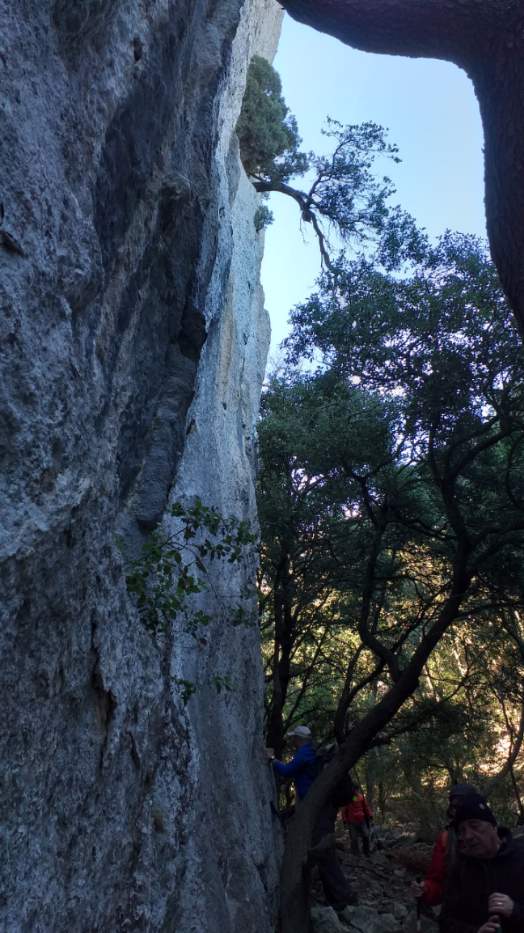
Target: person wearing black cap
[443, 857]
[485, 891]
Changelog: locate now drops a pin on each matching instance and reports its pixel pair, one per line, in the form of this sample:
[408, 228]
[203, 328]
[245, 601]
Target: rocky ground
[382, 882]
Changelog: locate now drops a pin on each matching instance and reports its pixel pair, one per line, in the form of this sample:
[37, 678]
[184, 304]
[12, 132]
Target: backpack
[342, 793]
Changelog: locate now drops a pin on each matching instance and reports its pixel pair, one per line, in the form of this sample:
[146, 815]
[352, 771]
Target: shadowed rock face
[132, 340]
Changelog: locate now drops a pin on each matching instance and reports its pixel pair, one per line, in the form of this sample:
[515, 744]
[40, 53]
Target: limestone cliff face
[133, 340]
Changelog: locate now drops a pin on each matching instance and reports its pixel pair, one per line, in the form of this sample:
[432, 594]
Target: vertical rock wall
[132, 341]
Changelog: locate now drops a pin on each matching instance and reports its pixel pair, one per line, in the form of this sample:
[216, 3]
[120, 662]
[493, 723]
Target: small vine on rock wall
[174, 566]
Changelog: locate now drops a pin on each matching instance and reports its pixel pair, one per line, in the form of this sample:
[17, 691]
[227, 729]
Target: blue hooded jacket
[300, 768]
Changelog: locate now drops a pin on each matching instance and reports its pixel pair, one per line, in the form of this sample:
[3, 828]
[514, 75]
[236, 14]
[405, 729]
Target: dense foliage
[391, 501]
[267, 132]
[398, 457]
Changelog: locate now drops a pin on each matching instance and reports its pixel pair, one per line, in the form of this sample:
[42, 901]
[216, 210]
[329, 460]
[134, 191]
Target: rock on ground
[382, 884]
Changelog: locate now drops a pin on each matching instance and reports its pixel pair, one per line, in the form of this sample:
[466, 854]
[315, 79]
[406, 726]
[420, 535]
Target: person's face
[478, 839]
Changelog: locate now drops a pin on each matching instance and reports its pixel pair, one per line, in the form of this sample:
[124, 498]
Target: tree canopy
[391, 506]
[391, 482]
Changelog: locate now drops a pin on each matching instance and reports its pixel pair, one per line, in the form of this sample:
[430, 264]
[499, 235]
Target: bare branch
[307, 214]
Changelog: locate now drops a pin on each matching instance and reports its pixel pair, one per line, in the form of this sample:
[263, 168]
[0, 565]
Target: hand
[492, 926]
[417, 888]
[501, 904]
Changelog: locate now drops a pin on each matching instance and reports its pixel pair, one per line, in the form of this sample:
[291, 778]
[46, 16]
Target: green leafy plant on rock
[174, 566]
[263, 218]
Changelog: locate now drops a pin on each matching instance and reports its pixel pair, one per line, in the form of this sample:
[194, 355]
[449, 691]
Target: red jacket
[357, 811]
[436, 876]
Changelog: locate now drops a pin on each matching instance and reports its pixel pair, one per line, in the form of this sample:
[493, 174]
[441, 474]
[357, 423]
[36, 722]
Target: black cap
[463, 790]
[473, 807]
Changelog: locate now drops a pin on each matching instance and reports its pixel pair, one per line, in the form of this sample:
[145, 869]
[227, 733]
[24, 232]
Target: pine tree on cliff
[343, 196]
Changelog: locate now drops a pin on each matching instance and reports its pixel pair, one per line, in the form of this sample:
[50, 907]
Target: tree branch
[307, 213]
[516, 741]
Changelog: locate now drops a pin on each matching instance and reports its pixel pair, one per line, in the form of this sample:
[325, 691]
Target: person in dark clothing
[337, 888]
[485, 891]
[303, 770]
[444, 854]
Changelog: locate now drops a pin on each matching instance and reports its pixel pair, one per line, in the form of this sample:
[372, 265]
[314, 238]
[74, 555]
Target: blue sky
[432, 114]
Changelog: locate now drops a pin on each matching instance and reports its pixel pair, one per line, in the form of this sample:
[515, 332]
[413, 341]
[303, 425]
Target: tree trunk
[281, 663]
[486, 39]
[516, 742]
[518, 798]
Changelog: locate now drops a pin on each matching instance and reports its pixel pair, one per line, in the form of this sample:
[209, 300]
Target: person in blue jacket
[302, 770]
[302, 767]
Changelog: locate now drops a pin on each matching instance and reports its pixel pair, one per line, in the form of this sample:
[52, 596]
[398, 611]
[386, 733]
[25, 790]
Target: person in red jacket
[432, 888]
[357, 815]
[444, 854]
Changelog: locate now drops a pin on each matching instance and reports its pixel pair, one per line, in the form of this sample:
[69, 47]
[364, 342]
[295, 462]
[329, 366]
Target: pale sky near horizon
[432, 114]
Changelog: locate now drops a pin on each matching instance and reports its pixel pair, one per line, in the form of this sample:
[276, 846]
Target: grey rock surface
[382, 883]
[133, 342]
[366, 920]
[325, 920]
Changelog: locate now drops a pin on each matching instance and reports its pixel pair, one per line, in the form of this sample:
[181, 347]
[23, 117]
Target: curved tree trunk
[516, 742]
[518, 796]
[486, 39]
[281, 662]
